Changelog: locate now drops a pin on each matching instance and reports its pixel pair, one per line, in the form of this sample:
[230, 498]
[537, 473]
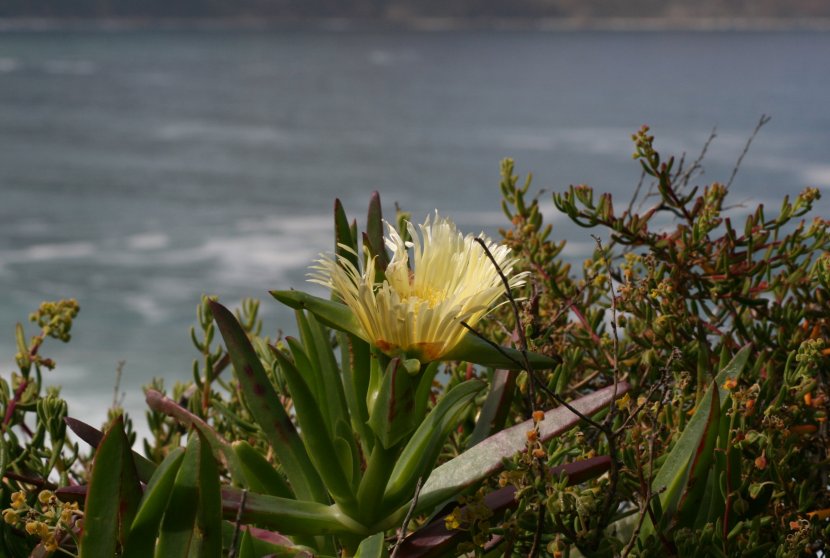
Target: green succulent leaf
[318, 347]
[372, 547]
[92, 436]
[356, 364]
[289, 517]
[496, 407]
[486, 458]
[113, 496]
[332, 314]
[393, 416]
[319, 444]
[263, 403]
[221, 448]
[144, 530]
[688, 456]
[343, 235]
[473, 349]
[260, 475]
[421, 452]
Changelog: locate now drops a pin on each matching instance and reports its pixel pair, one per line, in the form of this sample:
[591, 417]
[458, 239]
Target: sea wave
[218, 132]
[816, 175]
[148, 241]
[48, 252]
[8, 65]
[70, 67]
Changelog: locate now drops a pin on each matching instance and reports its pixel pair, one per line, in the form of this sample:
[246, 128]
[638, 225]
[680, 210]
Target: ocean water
[140, 169]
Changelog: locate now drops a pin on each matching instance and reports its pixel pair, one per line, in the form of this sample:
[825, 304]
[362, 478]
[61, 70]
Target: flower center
[429, 294]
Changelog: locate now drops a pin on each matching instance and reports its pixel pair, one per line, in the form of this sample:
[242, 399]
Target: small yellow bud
[18, 500]
[623, 402]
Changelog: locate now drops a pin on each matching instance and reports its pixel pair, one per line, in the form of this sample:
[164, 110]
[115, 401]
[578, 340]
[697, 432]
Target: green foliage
[668, 400]
[670, 295]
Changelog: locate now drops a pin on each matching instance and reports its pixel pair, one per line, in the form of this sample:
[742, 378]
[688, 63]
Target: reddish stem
[18, 393]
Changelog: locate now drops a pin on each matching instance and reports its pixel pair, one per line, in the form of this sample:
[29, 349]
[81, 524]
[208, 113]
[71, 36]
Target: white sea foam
[8, 65]
[249, 259]
[816, 175]
[148, 241]
[295, 224]
[49, 252]
[150, 308]
[223, 133]
[595, 140]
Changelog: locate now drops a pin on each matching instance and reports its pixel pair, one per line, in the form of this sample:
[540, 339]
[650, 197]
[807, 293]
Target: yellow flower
[44, 496]
[417, 310]
[18, 499]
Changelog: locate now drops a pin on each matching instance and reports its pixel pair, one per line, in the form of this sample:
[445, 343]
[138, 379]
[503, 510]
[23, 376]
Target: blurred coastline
[437, 24]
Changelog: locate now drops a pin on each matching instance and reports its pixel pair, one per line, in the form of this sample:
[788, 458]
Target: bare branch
[764, 119]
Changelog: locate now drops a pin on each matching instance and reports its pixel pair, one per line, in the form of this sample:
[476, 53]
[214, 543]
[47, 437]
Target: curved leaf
[422, 450]
[321, 449]
[265, 406]
[261, 476]
[113, 495]
[145, 528]
[485, 458]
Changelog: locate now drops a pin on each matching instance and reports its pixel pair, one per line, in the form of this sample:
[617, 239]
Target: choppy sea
[140, 169]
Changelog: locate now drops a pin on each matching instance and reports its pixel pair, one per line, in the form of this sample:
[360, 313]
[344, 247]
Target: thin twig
[238, 523]
[515, 306]
[614, 470]
[686, 177]
[537, 537]
[764, 119]
[119, 371]
[408, 518]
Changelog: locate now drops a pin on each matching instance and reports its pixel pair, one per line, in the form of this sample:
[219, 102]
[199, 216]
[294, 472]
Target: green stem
[373, 485]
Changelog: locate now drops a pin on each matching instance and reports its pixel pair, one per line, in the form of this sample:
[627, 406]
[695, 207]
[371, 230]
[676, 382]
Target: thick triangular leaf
[392, 416]
[672, 476]
[221, 448]
[141, 539]
[343, 235]
[290, 517]
[374, 236]
[209, 516]
[316, 437]
[422, 450]
[496, 407]
[485, 459]
[473, 349]
[261, 476]
[92, 436]
[113, 495]
[265, 406]
[372, 547]
[332, 314]
[178, 532]
[435, 540]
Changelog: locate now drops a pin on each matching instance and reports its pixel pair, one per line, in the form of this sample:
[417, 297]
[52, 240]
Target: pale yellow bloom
[417, 312]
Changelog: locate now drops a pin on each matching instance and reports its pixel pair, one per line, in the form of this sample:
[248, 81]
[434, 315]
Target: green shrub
[680, 410]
